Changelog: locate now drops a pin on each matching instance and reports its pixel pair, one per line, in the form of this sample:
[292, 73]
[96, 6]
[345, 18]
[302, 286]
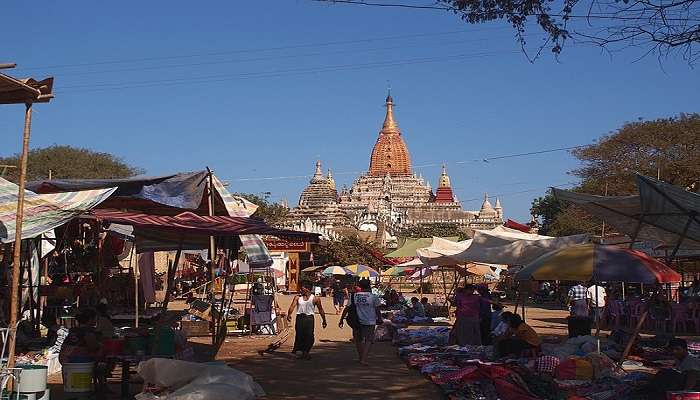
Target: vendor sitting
[685, 375]
[417, 309]
[519, 339]
[82, 346]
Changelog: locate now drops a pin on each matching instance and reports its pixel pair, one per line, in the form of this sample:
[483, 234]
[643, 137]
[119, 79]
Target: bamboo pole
[135, 268]
[16, 256]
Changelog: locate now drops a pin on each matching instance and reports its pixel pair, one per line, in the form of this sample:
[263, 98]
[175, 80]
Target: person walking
[366, 305]
[578, 295]
[596, 301]
[339, 293]
[304, 324]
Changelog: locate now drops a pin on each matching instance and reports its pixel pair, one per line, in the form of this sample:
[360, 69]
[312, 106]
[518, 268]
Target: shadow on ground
[333, 373]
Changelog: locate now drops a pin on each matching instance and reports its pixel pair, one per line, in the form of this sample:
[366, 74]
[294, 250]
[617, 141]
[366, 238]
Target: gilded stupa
[389, 196]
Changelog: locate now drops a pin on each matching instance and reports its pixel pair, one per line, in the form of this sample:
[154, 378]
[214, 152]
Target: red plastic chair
[679, 316]
[615, 313]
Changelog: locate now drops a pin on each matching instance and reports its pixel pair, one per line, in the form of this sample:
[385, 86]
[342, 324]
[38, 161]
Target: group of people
[482, 321]
[363, 305]
[587, 301]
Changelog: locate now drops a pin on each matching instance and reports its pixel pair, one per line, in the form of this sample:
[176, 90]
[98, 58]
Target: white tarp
[197, 381]
[503, 246]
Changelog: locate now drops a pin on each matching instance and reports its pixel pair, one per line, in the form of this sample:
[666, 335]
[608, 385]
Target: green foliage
[272, 213]
[430, 230]
[66, 162]
[347, 250]
[669, 147]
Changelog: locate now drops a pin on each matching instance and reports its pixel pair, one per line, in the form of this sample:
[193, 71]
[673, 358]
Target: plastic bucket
[77, 377]
[32, 378]
[683, 395]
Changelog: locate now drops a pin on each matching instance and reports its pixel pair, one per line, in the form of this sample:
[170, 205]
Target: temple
[388, 197]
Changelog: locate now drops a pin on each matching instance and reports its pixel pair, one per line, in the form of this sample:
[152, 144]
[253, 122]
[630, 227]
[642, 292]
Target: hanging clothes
[147, 267]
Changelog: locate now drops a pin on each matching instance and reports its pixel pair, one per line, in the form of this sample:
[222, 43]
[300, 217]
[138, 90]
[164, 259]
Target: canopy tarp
[516, 252]
[416, 262]
[169, 195]
[44, 212]
[411, 245]
[661, 212]
[189, 230]
[439, 252]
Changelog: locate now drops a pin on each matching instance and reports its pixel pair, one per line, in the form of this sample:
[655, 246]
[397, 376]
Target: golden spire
[444, 179]
[390, 125]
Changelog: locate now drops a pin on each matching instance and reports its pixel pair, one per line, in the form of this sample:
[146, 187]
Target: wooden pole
[135, 268]
[16, 256]
[628, 348]
[172, 270]
[212, 244]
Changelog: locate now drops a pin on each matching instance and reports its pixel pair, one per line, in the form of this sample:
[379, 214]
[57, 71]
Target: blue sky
[256, 91]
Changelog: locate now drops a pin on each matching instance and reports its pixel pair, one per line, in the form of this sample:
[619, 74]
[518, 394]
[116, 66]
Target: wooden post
[135, 268]
[170, 279]
[628, 348]
[16, 256]
[212, 244]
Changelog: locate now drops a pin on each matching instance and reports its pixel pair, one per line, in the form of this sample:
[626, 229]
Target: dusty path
[332, 373]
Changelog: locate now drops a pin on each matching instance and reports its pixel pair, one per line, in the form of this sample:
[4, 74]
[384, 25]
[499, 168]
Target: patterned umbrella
[398, 271]
[599, 263]
[335, 270]
[362, 271]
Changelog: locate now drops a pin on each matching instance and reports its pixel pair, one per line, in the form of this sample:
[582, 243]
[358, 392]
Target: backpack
[352, 318]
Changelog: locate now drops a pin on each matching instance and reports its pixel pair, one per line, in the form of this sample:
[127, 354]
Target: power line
[245, 60]
[258, 50]
[506, 194]
[97, 87]
[483, 159]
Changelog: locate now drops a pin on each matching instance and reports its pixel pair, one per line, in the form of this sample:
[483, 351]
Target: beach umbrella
[314, 268]
[398, 271]
[362, 271]
[598, 263]
[335, 270]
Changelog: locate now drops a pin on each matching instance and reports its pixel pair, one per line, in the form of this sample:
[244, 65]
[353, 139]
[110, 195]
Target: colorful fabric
[547, 364]
[43, 212]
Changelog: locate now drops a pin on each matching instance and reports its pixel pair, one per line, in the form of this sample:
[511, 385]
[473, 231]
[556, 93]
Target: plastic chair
[694, 317]
[679, 316]
[615, 312]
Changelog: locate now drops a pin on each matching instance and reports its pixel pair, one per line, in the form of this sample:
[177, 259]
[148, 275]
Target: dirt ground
[333, 372]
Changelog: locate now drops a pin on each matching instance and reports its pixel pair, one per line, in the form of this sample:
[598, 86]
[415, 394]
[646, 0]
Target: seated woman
[519, 338]
[82, 345]
[104, 326]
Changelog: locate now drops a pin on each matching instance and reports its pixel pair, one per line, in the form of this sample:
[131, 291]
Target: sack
[352, 319]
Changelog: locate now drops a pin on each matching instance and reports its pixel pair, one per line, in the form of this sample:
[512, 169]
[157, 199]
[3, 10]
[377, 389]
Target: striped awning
[43, 212]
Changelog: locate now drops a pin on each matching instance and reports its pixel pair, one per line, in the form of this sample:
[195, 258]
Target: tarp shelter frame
[27, 92]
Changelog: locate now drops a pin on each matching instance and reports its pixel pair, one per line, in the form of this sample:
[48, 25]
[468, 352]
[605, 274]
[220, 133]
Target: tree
[272, 213]
[436, 229]
[668, 147]
[657, 26]
[346, 250]
[654, 26]
[66, 162]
